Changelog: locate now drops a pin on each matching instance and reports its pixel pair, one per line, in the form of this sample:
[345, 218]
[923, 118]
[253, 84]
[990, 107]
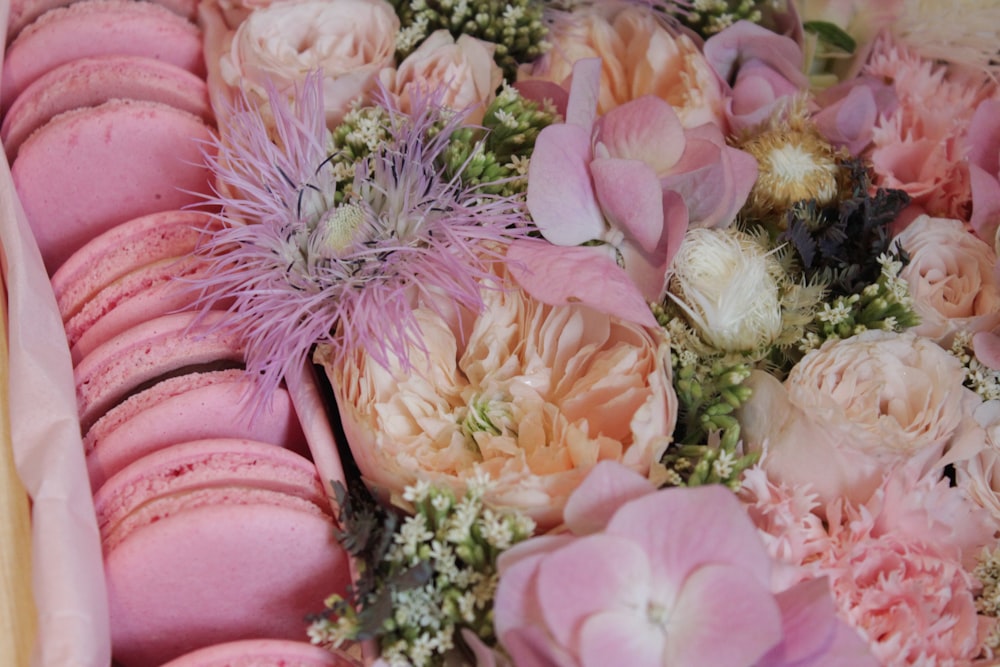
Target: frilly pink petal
[560, 194]
[606, 487]
[630, 197]
[645, 129]
[577, 275]
[813, 633]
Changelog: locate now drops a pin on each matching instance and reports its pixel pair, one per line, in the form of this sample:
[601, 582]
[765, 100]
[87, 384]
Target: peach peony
[463, 68]
[950, 275]
[528, 394]
[855, 409]
[349, 40]
[640, 56]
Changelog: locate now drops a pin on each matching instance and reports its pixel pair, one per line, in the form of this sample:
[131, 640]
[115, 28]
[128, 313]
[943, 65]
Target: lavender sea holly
[296, 268]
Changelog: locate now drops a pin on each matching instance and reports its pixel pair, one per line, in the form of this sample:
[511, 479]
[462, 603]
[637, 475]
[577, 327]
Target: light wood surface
[17, 610]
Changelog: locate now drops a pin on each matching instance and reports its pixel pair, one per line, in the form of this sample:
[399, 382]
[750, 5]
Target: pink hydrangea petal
[607, 486]
[647, 271]
[719, 531]
[630, 196]
[530, 646]
[850, 121]
[592, 574]
[645, 129]
[616, 638]
[721, 618]
[577, 275]
[584, 92]
[560, 195]
[515, 602]
[987, 347]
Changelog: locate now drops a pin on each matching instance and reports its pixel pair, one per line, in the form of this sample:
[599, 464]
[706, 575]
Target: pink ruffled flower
[983, 143]
[674, 577]
[849, 111]
[631, 180]
[763, 68]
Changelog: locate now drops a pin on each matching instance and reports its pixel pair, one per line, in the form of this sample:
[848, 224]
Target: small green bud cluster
[707, 17]
[437, 578]
[516, 27]
[885, 304]
[359, 134]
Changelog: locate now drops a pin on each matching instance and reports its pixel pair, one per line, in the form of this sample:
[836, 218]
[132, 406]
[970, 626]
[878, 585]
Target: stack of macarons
[215, 524]
[106, 116]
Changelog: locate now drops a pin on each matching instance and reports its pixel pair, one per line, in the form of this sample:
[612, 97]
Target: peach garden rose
[528, 394]
[349, 40]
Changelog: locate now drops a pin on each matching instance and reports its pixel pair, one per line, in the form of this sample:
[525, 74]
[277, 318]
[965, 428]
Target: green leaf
[831, 34]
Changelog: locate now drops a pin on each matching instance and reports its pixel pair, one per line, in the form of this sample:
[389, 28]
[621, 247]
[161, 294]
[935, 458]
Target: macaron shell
[262, 653]
[217, 410]
[219, 572]
[91, 169]
[88, 82]
[186, 469]
[155, 290]
[125, 248]
[99, 27]
[24, 12]
[167, 345]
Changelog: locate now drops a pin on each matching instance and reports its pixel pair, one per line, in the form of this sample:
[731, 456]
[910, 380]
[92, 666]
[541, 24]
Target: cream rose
[853, 410]
[528, 394]
[950, 275]
[350, 41]
[463, 68]
[640, 56]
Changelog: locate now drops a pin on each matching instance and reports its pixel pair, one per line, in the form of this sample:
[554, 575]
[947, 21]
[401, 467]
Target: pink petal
[850, 121]
[720, 532]
[560, 195]
[630, 196]
[985, 203]
[584, 91]
[744, 41]
[615, 638]
[592, 574]
[987, 347]
[984, 136]
[722, 618]
[577, 275]
[539, 91]
[607, 486]
[813, 633]
[516, 602]
[530, 646]
[645, 129]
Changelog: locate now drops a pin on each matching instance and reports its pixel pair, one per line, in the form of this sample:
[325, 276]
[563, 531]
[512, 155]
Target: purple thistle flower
[296, 269]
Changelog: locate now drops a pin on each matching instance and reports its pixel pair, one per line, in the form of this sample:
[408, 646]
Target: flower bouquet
[660, 332]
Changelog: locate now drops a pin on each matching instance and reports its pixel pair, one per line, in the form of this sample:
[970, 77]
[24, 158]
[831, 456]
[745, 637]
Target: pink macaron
[90, 169]
[87, 82]
[211, 542]
[143, 355]
[123, 249]
[263, 653]
[99, 27]
[194, 406]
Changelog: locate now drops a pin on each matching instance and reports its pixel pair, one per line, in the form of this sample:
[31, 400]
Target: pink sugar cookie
[195, 406]
[262, 653]
[123, 249]
[99, 27]
[168, 345]
[88, 170]
[88, 82]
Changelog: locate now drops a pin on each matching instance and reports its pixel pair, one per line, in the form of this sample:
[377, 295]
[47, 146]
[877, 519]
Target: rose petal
[577, 275]
[560, 195]
[606, 487]
[630, 196]
[722, 618]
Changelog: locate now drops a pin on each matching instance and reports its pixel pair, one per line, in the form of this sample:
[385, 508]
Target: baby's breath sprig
[435, 577]
[987, 571]
[707, 17]
[981, 379]
[516, 27]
